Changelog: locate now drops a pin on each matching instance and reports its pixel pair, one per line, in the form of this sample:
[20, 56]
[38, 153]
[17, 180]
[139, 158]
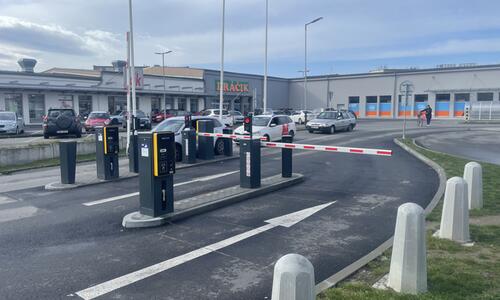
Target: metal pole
[221, 85]
[265, 57]
[132, 63]
[164, 86]
[305, 66]
[405, 108]
[127, 71]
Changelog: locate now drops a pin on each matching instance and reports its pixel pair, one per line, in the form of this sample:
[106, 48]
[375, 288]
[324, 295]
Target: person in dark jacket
[428, 114]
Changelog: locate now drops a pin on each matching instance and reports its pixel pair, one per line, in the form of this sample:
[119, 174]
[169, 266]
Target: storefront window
[371, 99]
[36, 104]
[14, 102]
[155, 103]
[181, 103]
[462, 97]
[194, 105]
[84, 105]
[117, 104]
[484, 96]
[65, 101]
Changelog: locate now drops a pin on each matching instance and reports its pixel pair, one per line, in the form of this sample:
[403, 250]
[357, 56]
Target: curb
[355, 266]
[57, 186]
[137, 220]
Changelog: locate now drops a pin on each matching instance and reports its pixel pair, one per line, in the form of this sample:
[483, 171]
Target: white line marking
[125, 280]
[201, 179]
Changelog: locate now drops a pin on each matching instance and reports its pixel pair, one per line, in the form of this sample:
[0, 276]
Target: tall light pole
[221, 84]
[405, 87]
[132, 64]
[305, 58]
[265, 57]
[164, 82]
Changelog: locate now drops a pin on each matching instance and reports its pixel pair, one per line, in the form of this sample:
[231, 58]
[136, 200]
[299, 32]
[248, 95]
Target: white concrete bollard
[473, 174]
[293, 279]
[455, 216]
[408, 271]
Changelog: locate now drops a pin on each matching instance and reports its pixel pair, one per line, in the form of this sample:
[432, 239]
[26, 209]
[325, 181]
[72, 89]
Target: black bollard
[188, 146]
[67, 158]
[250, 163]
[205, 143]
[228, 143]
[286, 157]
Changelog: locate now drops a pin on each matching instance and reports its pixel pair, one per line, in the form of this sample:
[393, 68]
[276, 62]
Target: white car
[227, 119]
[176, 125]
[299, 116]
[271, 127]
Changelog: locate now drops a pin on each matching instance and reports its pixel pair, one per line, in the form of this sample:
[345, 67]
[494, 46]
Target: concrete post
[293, 279]
[473, 175]
[455, 217]
[408, 271]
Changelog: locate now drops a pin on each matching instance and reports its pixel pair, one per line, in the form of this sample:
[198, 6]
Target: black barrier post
[228, 142]
[286, 157]
[250, 163]
[67, 157]
[157, 165]
[133, 150]
[107, 149]
[188, 146]
[205, 143]
[305, 117]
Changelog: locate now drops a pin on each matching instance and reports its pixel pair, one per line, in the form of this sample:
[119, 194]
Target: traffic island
[207, 202]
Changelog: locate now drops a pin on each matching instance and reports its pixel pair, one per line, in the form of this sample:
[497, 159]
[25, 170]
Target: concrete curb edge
[355, 266]
[223, 202]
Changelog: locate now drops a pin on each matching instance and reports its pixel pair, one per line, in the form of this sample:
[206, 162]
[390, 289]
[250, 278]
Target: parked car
[299, 116]
[227, 119]
[144, 122]
[271, 127]
[96, 119]
[331, 122]
[120, 116]
[11, 122]
[176, 125]
[159, 116]
[237, 116]
[61, 121]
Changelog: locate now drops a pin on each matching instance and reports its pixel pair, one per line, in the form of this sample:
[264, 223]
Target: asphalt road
[475, 145]
[54, 246]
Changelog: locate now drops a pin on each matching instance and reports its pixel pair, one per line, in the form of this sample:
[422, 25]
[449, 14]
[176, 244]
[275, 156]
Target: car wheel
[332, 130]
[350, 128]
[46, 136]
[311, 131]
[78, 134]
[219, 147]
[291, 133]
[268, 139]
[178, 152]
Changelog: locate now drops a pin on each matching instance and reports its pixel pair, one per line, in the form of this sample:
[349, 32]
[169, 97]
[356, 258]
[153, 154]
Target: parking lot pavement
[475, 145]
[55, 246]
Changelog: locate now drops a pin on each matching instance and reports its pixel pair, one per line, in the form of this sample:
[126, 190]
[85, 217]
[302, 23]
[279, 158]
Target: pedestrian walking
[428, 114]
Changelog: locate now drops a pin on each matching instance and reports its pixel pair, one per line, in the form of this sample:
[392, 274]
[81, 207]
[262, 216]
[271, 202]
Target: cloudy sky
[354, 36]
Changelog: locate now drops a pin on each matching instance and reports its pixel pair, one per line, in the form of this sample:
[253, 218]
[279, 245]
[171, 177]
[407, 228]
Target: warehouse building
[447, 89]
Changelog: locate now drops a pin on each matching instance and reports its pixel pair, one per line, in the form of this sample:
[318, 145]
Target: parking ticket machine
[156, 172]
[107, 149]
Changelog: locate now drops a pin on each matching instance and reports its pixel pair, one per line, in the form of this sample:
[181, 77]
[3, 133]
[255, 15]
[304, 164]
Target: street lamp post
[164, 82]
[132, 63]
[221, 84]
[405, 87]
[305, 58]
[265, 57]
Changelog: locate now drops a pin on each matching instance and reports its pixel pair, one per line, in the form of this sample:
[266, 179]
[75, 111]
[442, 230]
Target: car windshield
[205, 113]
[261, 121]
[98, 116]
[140, 114]
[5, 116]
[170, 125]
[327, 115]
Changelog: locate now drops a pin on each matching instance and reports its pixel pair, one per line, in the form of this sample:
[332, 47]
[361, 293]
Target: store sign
[138, 78]
[233, 86]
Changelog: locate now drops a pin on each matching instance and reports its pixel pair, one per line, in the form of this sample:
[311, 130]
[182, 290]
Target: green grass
[453, 271]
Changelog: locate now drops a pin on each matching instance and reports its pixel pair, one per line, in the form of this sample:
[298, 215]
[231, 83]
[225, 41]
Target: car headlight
[323, 125]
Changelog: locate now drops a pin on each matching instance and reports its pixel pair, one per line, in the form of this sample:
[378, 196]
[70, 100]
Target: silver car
[11, 122]
[332, 121]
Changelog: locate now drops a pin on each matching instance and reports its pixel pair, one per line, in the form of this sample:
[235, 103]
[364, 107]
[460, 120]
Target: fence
[482, 111]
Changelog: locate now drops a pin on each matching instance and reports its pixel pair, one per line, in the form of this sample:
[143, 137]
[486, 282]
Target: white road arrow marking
[114, 284]
[201, 179]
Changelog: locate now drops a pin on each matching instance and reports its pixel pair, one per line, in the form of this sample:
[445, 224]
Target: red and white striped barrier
[229, 136]
[367, 151]
[329, 148]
